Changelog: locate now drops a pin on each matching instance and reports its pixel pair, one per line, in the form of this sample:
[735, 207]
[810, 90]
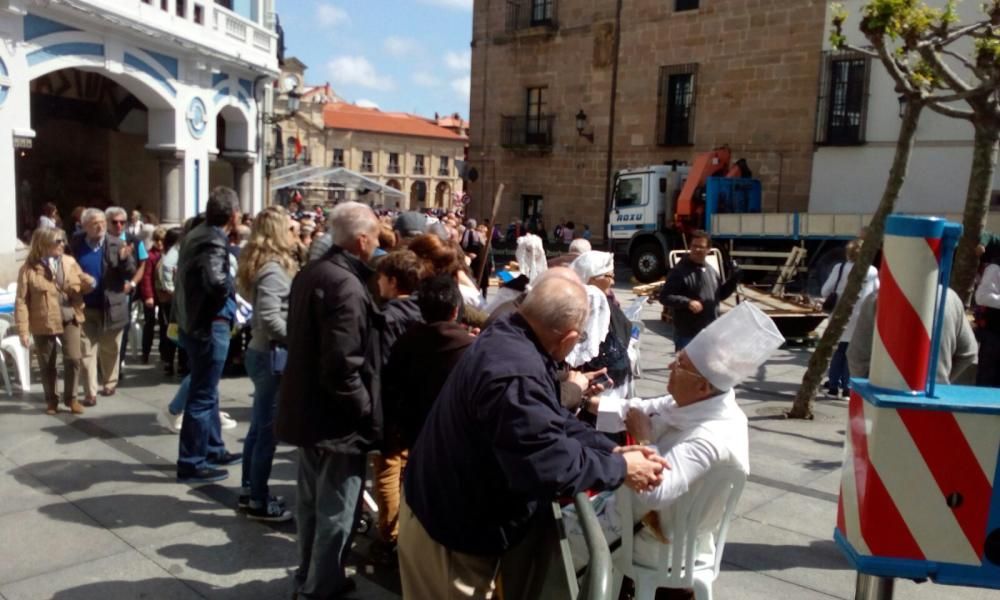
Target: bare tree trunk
[820, 360]
[977, 204]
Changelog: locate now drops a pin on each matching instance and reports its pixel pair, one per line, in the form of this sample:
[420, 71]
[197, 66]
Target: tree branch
[943, 70]
[984, 89]
[953, 35]
[860, 50]
[949, 111]
[895, 70]
[968, 64]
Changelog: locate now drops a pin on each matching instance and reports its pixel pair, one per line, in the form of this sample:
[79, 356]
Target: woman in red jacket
[147, 289]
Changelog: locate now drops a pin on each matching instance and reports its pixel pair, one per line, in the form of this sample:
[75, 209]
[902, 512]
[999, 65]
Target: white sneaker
[169, 420]
[227, 421]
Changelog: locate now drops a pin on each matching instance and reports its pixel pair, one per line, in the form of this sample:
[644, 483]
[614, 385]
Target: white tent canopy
[293, 175]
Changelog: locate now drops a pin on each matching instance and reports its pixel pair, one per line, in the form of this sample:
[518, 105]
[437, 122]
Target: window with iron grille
[393, 162]
[338, 157]
[418, 164]
[842, 109]
[366, 161]
[676, 104]
[536, 124]
[680, 5]
[541, 12]
[443, 170]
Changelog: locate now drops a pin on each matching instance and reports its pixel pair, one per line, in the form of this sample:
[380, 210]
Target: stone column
[171, 187]
[243, 182]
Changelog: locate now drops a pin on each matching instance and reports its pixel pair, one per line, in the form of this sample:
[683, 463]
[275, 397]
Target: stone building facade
[686, 76]
[418, 156]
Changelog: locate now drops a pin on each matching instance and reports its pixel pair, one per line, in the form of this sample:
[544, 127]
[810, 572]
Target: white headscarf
[530, 256]
[598, 323]
[733, 346]
[591, 264]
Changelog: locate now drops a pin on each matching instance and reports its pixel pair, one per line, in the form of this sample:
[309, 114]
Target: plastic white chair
[4, 326]
[705, 509]
[22, 357]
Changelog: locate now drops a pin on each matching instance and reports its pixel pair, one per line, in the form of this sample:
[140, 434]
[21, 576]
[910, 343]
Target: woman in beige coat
[49, 306]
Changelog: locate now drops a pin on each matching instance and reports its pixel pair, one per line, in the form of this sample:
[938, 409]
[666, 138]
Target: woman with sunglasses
[49, 306]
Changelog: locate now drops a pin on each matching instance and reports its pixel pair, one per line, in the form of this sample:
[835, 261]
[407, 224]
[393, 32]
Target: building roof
[341, 115]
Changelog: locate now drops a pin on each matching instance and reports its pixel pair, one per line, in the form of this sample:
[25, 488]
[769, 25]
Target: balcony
[199, 25]
[526, 14]
[523, 132]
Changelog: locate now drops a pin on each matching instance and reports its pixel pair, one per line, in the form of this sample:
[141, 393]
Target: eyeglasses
[117, 222]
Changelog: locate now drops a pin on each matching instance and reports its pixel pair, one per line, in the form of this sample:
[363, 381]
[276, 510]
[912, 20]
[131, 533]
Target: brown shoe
[89, 401]
[75, 407]
[108, 391]
[52, 409]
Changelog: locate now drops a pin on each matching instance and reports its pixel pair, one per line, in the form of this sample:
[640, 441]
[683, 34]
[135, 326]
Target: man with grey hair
[118, 227]
[497, 445]
[112, 264]
[329, 403]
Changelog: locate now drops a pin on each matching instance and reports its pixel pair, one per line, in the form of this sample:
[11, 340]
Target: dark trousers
[168, 349]
[259, 445]
[840, 378]
[988, 371]
[47, 350]
[148, 329]
[201, 430]
[128, 329]
[329, 492]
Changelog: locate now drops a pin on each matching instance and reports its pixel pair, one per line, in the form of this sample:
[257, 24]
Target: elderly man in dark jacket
[112, 265]
[330, 405]
[205, 306]
[497, 444]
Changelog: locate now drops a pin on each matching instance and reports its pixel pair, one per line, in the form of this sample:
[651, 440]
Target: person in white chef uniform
[695, 426]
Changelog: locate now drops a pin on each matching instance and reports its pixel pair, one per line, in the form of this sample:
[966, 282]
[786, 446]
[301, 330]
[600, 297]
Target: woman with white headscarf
[608, 329]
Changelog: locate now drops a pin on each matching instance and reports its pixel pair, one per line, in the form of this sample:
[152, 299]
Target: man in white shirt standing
[696, 426]
[988, 297]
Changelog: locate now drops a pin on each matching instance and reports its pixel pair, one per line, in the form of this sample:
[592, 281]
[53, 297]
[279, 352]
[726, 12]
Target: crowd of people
[372, 334]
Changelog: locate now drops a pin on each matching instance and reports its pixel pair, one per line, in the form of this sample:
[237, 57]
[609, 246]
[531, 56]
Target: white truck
[652, 208]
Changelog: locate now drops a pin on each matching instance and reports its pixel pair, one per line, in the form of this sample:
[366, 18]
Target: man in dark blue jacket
[497, 445]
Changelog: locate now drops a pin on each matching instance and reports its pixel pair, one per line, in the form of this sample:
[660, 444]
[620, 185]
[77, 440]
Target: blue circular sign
[197, 117]
[4, 82]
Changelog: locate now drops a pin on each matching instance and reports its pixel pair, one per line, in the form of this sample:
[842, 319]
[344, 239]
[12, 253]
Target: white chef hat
[593, 263]
[597, 326]
[530, 256]
[733, 346]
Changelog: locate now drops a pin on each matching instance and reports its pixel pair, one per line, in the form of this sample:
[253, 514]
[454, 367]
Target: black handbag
[279, 358]
[831, 301]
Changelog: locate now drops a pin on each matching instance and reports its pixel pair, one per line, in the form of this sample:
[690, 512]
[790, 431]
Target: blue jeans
[258, 448]
[681, 340]
[329, 497]
[840, 378]
[201, 430]
[181, 397]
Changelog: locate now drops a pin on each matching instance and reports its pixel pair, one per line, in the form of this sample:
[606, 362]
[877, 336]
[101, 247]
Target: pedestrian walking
[147, 292]
[112, 264]
[264, 277]
[694, 290]
[49, 307]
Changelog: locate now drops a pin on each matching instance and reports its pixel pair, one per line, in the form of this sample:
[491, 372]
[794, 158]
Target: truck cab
[641, 219]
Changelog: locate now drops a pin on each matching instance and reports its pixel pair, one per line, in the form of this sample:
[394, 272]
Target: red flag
[298, 147]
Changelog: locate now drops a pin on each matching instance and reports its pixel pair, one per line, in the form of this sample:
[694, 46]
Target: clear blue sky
[402, 55]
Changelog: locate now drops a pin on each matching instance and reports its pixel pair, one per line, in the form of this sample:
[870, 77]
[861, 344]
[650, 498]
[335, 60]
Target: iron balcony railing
[533, 130]
[522, 14]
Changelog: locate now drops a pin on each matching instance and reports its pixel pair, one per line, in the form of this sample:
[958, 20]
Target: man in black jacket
[694, 290]
[205, 307]
[497, 445]
[112, 264]
[330, 403]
